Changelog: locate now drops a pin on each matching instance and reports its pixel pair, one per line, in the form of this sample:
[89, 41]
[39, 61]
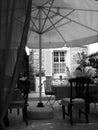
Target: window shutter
[48, 63]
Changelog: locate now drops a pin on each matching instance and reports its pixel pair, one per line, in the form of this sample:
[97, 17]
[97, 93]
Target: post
[40, 104]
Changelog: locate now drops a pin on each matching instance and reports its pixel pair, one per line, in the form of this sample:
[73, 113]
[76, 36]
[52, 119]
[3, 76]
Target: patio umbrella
[55, 23]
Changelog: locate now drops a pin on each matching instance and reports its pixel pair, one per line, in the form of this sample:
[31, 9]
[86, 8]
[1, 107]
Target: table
[62, 91]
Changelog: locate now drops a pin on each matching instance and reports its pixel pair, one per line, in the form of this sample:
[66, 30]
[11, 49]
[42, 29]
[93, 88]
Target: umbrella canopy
[56, 23]
[74, 22]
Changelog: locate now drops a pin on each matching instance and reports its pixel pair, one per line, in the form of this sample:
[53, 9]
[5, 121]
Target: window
[59, 61]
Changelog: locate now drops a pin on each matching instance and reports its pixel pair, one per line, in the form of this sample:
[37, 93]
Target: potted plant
[88, 65]
[42, 73]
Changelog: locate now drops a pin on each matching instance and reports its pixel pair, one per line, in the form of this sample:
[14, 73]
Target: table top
[62, 91]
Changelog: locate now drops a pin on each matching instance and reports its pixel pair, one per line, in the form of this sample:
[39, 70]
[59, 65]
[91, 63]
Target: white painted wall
[93, 48]
[37, 84]
[47, 62]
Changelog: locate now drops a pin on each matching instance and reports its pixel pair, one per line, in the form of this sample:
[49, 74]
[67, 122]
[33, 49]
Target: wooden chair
[78, 98]
[20, 99]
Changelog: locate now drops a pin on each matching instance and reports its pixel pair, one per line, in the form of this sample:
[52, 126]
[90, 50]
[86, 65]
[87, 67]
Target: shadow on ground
[56, 123]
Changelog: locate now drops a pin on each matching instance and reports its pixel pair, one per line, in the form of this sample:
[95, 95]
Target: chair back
[24, 88]
[79, 88]
[48, 85]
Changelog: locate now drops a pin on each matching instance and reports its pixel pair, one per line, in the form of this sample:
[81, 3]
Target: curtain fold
[14, 25]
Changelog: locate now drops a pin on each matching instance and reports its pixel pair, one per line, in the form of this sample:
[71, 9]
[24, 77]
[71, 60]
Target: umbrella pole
[40, 104]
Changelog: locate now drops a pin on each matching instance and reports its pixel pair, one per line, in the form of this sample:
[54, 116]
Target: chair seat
[17, 104]
[74, 101]
[18, 100]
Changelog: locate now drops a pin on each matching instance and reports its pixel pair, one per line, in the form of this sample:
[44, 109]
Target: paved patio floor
[56, 123]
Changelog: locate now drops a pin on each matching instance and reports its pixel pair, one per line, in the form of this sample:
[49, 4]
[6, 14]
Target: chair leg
[87, 118]
[10, 110]
[49, 101]
[54, 101]
[79, 113]
[23, 113]
[25, 116]
[70, 113]
[86, 113]
[71, 122]
[88, 108]
[18, 111]
[63, 110]
[58, 101]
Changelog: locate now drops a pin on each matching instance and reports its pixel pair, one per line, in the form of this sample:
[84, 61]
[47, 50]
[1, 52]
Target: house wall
[71, 62]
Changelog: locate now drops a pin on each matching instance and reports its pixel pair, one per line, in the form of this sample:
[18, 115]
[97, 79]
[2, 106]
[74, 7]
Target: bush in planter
[42, 73]
[88, 66]
[90, 71]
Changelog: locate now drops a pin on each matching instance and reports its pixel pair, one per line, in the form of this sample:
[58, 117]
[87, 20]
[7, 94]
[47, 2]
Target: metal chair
[49, 91]
[78, 98]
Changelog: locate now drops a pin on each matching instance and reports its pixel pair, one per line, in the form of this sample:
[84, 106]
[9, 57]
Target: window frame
[60, 64]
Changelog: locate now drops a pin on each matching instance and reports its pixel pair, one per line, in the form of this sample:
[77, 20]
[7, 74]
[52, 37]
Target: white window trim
[59, 60]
